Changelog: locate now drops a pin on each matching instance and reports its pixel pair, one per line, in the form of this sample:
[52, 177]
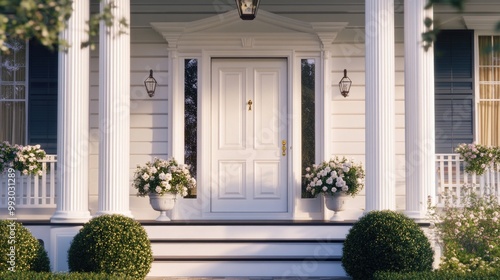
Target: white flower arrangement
[163, 176]
[339, 175]
[478, 158]
[26, 159]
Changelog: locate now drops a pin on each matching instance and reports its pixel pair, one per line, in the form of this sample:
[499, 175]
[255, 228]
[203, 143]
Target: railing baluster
[33, 191]
[53, 177]
[452, 177]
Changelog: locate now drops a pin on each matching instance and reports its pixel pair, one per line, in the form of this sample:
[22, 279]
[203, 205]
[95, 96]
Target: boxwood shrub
[20, 250]
[111, 244]
[23, 275]
[438, 275]
[385, 241]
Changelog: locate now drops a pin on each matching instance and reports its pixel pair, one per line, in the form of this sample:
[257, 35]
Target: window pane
[489, 90]
[308, 114]
[191, 115]
[13, 87]
[12, 127]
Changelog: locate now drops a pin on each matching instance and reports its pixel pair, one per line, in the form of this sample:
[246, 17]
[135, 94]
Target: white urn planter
[162, 203]
[336, 203]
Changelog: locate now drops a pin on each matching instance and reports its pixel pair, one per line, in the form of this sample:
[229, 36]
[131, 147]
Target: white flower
[324, 189]
[334, 189]
[145, 176]
[158, 189]
[329, 181]
[25, 172]
[162, 176]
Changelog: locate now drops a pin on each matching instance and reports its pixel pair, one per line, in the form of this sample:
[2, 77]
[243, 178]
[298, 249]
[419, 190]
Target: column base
[126, 213]
[416, 215]
[70, 217]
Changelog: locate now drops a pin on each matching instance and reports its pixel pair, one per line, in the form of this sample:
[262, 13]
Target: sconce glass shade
[345, 84]
[150, 84]
[247, 8]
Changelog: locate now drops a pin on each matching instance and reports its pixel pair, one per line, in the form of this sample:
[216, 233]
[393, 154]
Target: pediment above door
[267, 29]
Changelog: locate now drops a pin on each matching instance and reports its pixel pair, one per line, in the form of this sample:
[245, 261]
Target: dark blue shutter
[42, 97]
[454, 86]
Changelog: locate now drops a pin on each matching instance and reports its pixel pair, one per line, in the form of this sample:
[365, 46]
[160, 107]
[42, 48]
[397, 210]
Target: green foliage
[43, 20]
[468, 230]
[42, 261]
[39, 19]
[111, 244]
[108, 18]
[59, 276]
[438, 275]
[19, 250]
[385, 241]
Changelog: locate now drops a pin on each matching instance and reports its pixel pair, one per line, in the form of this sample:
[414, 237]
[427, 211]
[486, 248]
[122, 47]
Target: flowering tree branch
[43, 20]
[429, 37]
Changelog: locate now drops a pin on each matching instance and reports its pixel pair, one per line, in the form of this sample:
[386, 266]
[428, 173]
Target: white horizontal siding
[149, 116]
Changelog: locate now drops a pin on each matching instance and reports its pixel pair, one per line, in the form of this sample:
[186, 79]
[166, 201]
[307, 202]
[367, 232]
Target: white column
[114, 113]
[419, 111]
[380, 154]
[73, 121]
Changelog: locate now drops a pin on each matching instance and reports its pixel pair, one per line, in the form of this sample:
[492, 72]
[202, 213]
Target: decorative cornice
[327, 31]
[170, 32]
[247, 42]
[215, 25]
[481, 22]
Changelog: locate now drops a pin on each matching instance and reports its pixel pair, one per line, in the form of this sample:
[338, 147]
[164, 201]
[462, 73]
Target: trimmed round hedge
[385, 241]
[112, 244]
[20, 250]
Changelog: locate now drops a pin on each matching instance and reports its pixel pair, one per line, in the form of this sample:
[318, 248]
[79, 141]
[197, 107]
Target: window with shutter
[454, 89]
[28, 95]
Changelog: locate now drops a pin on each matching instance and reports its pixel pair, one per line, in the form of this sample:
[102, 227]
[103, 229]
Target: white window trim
[478, 33]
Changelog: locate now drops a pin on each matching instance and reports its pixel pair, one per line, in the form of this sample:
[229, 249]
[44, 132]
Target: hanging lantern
[150, 84]
[345, 84]
[247, 8]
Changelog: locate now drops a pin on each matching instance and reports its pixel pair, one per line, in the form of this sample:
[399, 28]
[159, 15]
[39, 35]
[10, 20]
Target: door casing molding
[215, 38]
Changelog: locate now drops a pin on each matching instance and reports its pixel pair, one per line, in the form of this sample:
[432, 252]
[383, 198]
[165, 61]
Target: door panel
[249, 171]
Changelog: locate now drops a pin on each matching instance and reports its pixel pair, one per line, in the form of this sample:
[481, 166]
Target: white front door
[249, 150]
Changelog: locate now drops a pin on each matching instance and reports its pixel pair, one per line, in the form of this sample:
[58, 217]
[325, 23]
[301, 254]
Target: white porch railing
[452, 177]
[39, 191]
[31, 191]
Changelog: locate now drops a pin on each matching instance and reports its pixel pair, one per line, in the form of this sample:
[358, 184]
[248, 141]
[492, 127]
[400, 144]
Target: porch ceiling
[351, 11]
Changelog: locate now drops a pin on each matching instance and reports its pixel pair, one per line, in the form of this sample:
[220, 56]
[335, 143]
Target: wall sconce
[150, 84]
[345, 84]
[247, 8]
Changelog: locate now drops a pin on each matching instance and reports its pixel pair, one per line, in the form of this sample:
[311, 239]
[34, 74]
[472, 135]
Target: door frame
[226, 36]
[206, 128]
